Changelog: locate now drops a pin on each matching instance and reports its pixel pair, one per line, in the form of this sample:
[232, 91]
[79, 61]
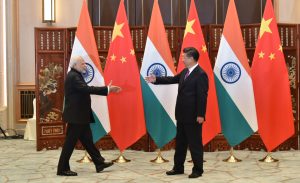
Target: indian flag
[85, 46]
[159, 101]
[234, 83]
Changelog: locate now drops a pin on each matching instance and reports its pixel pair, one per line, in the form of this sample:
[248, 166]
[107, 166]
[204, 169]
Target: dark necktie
[187, 74]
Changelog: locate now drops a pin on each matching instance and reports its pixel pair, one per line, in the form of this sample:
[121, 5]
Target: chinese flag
[271, 85]
[193, 37]
[126, 110]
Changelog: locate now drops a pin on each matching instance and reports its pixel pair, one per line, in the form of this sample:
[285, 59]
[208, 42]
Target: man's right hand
[151, 78]
[114, 89]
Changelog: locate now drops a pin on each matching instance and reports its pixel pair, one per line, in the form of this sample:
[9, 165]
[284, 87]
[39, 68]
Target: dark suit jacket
[77, 107]
[192, 94]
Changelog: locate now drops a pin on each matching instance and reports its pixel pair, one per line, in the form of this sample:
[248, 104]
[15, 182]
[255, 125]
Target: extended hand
[151, 78]
[114, 89]
[200, 120]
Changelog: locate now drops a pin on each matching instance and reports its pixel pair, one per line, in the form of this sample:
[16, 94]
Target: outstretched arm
[81, 86]
[163, 80]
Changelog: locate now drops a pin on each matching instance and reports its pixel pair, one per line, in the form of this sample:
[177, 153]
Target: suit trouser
[74, 133]
[189, 135]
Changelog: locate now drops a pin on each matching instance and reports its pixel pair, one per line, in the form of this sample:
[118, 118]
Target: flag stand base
[159, 159]
[268, 159]
[232, 158]
[85, 159]
[121, 159]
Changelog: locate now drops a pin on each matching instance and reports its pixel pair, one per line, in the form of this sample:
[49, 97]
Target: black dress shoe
[174, 172]
[195, 175]
[67, 173]
[101, 167]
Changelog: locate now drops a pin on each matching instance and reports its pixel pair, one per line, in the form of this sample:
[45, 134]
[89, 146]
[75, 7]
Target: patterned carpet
[20, 162]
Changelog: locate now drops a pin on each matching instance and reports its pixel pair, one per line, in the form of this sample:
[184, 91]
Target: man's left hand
[200, 120]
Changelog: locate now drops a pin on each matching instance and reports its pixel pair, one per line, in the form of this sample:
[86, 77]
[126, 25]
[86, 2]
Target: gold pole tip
[159, 159]
[121, 159]
[268, 159]
[232, 159]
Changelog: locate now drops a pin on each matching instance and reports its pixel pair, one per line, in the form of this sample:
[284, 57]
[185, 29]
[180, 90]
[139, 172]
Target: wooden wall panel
[50, 72]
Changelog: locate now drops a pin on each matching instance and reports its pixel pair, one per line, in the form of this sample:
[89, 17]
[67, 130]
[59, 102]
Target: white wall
[3, 108]
[288, 11]
[1, 58]
[30, 16]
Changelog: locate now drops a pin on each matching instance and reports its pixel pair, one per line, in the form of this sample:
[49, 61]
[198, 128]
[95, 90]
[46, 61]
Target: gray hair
[74, 60]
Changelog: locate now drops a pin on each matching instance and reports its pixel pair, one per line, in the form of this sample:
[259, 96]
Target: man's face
[188, 61]
[81, 66]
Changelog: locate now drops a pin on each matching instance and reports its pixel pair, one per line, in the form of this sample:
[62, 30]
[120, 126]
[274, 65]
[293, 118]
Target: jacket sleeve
[81, 86]
[168, 80]
[202, 92]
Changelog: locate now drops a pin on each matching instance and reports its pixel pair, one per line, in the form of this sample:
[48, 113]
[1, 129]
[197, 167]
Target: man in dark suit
[189, 111]
[78, 114]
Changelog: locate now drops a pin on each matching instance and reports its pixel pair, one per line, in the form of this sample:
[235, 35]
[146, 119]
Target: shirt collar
[192, 68]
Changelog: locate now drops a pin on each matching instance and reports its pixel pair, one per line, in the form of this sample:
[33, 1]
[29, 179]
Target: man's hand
[114, 89]
[200, 120]
[151, 78]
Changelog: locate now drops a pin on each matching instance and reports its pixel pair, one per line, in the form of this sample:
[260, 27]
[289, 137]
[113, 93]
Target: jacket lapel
[79, 73]
[183, 82]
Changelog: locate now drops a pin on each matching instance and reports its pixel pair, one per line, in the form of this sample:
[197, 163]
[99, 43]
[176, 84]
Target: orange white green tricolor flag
[159, 101]
[85, 46]
[234, 82]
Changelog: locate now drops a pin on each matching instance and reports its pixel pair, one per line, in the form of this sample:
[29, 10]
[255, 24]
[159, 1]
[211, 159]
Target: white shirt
[192, 68]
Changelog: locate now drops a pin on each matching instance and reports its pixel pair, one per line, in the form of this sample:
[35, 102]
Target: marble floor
[20, 162]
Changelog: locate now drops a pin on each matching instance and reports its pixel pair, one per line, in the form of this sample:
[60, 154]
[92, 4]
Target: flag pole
[159, 159]
[232, 158]
[85, 158]
[121, 159]
[268, 159]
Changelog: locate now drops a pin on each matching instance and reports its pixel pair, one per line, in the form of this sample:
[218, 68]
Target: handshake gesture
[114, 89]
[151, 78]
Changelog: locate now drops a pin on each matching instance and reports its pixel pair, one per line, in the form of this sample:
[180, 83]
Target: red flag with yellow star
[271, 85]
[193, 37]
[125, 108]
